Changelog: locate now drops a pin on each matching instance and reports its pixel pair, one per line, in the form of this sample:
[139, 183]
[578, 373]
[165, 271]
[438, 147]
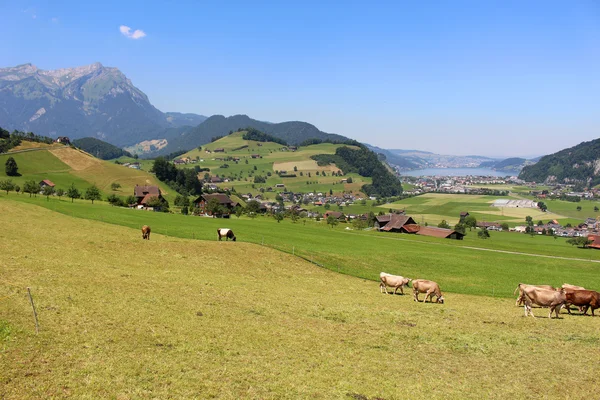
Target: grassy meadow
[498, 263]
[65, 166]
[125, 318]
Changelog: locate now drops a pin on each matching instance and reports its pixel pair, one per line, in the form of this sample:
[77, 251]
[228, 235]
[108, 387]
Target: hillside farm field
[273, 158]
[121, 317]
[65, 166]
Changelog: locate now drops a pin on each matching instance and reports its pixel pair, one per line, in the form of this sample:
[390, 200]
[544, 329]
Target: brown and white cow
[583, 298]
[395, 281]
[146, 232]
[543, 298]
[225, 233]
[430, 288]
[521, 298]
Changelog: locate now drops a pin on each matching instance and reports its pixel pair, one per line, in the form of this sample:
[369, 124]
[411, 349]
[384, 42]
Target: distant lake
[456, 172]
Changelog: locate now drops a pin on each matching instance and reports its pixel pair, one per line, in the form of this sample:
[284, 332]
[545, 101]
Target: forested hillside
[100, 149]
[366, 163]
[578, 163]
[292, 132]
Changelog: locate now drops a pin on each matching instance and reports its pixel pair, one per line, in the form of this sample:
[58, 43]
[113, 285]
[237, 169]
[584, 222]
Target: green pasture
[467, 266]
[125, 318]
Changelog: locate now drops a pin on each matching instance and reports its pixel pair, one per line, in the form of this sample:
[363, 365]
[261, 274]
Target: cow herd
[557, 298]
[430, 288]
[221, 233]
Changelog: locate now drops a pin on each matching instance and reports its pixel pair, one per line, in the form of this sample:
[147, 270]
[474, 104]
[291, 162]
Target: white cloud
[54, 20]
[126, 31]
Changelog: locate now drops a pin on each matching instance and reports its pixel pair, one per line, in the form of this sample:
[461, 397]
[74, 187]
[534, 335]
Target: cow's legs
[416, 296]
[382, 288]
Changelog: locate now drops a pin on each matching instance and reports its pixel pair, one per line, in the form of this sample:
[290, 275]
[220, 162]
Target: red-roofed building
[46, 182]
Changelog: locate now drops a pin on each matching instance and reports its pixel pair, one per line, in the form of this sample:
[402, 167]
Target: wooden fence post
[37, 327]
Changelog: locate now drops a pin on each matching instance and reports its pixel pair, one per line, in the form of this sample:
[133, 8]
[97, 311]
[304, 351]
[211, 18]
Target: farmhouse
[464, 215]
[63, 139]
[224, 201]
[394, 223]
[335, 214]
[220, 150]
[440, 232]
[144, 193]
[46, 182]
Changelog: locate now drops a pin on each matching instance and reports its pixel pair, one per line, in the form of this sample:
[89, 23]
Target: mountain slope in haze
[514, 164]
[578, 163]
[293, 132]
[395, 159]
[92, 100]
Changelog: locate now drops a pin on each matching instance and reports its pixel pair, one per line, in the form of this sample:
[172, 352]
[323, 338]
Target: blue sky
[505, 78]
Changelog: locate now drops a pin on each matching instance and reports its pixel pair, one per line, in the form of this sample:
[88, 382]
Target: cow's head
[233, 238]
[440, 300]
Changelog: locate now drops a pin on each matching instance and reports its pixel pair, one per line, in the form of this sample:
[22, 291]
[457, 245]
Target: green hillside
[125, 318]
[65, 166]
[272, 158]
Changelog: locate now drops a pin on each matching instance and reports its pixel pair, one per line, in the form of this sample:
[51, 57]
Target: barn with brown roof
[144, 193]
[224, 201]
[393, 222]
[440, 232]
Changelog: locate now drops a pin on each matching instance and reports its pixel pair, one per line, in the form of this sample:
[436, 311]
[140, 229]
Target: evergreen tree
[11, 167]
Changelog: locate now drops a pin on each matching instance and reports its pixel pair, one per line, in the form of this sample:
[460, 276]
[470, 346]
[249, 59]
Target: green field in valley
[124, 318]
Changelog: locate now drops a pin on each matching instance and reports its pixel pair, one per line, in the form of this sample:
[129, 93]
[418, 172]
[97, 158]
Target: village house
[144, 193]
[224, 201]
[63, 139]
[336, 214]
[46, 182]
[406, 224]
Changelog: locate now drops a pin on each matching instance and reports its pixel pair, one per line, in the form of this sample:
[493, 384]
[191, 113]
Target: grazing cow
[572, 287]
[583, 298]
[542, 297]
[225, 233]
[521, 298]
[146, 232]
[394, 281]
[430, 288]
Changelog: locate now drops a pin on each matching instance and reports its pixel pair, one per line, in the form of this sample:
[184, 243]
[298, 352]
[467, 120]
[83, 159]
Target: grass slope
[64, 165]
[172, 318]
[467, 266]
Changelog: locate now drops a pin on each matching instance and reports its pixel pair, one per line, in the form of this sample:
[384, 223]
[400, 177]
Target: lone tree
[331, 220]
[48, 191]
[73, 193]
[31, 187]
[471, 222]
[483, 234]
[11, 167]
[444, 224]
[278, 216]
[115, 186]
[580, 241]
[60, 193]
[7, 185]
[92, 193]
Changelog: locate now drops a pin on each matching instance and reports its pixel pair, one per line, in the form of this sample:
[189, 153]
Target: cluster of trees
[311, 141]
[9, 140]
[100, 149]
[366, 163]
[255, 134]
[184, 180]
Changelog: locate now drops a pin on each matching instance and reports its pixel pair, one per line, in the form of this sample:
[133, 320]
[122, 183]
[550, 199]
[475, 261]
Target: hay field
[172, 318]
